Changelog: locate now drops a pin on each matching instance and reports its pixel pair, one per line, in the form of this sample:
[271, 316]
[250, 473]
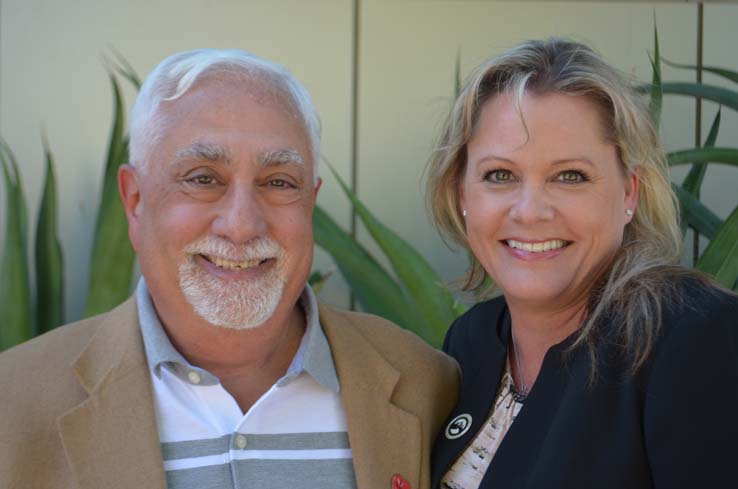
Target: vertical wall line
[698, 109]
[354, 143]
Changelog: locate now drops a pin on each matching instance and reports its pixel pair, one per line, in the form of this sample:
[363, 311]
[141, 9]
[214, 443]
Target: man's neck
[247, 362]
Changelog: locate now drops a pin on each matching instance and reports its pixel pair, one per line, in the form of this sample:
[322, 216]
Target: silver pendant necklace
[519, 393]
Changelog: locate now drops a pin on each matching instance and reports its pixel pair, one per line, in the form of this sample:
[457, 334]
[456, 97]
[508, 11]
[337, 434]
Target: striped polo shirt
[295, 436]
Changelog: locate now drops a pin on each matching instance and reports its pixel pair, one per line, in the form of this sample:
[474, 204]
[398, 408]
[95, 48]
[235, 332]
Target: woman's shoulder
[481, 320]
[699, 319]
[696, 303]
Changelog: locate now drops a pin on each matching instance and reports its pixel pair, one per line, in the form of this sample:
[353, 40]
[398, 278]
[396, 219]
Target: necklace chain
[519, 394]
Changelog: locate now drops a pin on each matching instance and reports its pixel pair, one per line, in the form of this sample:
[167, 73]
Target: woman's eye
[499, 176]
[572, 176]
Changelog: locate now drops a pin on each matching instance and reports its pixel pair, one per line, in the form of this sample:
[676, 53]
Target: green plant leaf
[654, 105]
[693, 181]
[720, 259]
[49, 261]
[112, 259]
[424, 288]
[16, 312]
[727, 156]
[317, 280]
[374, 288]
[457, 75]
[694, 212]
[124, 68]
[719, 95]
[727, 74]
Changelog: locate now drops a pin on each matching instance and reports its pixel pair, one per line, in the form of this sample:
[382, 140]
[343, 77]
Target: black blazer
[674, 424]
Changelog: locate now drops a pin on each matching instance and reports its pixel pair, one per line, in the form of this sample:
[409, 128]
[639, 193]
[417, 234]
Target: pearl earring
[629, 212]
[463, 212]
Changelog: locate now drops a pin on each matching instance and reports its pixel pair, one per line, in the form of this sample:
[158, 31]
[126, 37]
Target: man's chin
[231, 304]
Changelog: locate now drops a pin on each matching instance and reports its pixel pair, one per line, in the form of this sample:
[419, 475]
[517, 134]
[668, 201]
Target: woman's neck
[534, 333]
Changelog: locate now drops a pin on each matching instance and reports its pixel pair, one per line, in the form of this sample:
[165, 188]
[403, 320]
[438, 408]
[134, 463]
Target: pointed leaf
[16, 312]
[727, 74]
[111, 265]
[49, 261]
[317, 280]
[694, 212]
[423, 286]
[693, 181]
[377, 292]
[124, 68]
[726, 156]
[655, 103]
[720, 259]
[457, 75]
[719, 95]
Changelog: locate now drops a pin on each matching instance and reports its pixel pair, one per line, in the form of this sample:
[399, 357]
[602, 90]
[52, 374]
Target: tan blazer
[77, 410]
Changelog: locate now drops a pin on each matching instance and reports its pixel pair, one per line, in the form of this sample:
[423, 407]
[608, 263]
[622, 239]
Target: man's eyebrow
[281, 157]
[204, 151]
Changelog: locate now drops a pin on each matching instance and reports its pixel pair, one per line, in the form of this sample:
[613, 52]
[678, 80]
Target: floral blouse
[469, 469]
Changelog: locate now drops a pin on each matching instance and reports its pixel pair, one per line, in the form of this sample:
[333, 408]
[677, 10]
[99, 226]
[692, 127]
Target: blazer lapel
[385, 439]
[111, 439]
[479, 386]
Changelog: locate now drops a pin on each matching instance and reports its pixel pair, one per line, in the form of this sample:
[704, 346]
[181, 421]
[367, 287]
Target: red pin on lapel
[399, 482]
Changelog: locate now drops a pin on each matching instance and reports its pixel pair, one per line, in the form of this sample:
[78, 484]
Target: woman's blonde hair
[630, 290]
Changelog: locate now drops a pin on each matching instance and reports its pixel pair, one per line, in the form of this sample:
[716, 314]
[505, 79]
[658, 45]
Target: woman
[603, 364]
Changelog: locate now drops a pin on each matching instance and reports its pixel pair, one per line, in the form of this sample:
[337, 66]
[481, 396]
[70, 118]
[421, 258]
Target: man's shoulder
[401, 347]
[58, 346]
[426, 368]
[37, 367]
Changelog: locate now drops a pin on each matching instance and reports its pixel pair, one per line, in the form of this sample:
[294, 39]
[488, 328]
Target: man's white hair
[174, 76]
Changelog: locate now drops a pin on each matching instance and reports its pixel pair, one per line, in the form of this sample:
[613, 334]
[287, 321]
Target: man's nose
[240, 215]
[531, 204]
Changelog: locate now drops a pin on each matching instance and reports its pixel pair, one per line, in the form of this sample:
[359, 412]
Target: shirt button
[241, 441]
[194, 377]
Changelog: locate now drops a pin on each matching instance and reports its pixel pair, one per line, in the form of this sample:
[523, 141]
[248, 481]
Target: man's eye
[202, 180]
[499, 176]
[280, 183]
[572, 176]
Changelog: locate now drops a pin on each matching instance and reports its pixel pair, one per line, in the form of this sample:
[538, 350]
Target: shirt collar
[313, 356]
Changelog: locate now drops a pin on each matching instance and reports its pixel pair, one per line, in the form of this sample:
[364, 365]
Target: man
[222, 370]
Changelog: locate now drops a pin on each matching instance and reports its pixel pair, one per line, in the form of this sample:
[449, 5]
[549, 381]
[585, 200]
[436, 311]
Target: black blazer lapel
[516, 456]
[482, 361]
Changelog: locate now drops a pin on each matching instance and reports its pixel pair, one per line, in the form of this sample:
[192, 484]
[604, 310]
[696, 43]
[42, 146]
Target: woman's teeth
[553, 244]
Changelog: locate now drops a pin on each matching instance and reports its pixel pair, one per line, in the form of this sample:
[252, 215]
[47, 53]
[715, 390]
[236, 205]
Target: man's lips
[229, 264]
[234, 270]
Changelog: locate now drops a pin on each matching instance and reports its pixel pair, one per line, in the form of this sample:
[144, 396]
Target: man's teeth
[554, 244]
[232, 265]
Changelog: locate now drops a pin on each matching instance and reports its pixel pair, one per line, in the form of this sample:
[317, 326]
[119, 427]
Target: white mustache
[261, 248]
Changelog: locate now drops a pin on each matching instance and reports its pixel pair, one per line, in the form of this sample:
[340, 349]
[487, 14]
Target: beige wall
[50, 76]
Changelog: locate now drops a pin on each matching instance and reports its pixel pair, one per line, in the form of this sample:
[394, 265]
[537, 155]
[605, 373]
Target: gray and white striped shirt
[295, 436]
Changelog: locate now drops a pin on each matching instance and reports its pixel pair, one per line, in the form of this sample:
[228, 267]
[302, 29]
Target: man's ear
[130, 194]
[318, 184]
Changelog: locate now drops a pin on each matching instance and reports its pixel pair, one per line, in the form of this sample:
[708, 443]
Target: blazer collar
[482, 362]
[110, 438]
[385, 439]
[488, 327]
